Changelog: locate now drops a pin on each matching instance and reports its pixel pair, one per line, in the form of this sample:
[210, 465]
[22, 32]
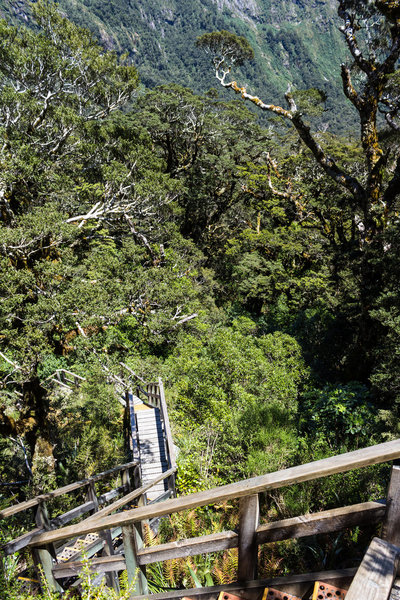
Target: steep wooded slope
[295, 41]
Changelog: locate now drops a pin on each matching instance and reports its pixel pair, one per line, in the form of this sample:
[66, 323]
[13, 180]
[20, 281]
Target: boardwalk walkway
[151, 446]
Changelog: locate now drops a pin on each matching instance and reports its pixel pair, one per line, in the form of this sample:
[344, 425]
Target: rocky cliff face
[248, 10]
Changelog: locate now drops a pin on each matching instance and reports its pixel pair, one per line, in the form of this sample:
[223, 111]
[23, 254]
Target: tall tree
[371, 32]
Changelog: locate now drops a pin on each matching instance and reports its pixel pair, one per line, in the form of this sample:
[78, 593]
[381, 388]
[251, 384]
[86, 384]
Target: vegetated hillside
[295, 41]
[258, 275]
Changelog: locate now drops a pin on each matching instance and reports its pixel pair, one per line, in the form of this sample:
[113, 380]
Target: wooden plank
[104, 498]
[190, 547]
[212, 593]
[154, 459]
[12, 510]
[104, 564]
[315, 470]
[296, 527]
[167, 426]
[376, 574]
[20, 542]
[153, 471]
[43, 556]
[133, 433]
[132, 540]
[249, 514]
[322, 522]
[72, 514]
[128, 498]
[391, 523]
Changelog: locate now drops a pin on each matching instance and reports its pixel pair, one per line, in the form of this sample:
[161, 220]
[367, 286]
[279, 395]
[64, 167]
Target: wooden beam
[191, 547]
[43, 557]
[104, 498]
[315, 470]
[249, 514]
[391, 523]
[128, 498]
[376, 574]
[20, 542]
[12, 510]
[132, 542]
[296, 527]
[167, 426]
[211, 593]
[104, 564]
[72, 514]
[322, 522]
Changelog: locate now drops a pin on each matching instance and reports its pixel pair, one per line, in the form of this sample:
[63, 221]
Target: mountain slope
[295, 41]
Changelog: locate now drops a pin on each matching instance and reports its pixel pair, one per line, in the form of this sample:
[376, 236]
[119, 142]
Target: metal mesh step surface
[77, 547]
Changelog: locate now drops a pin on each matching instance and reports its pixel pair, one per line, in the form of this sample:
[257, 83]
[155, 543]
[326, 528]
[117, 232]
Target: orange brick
[326, 591]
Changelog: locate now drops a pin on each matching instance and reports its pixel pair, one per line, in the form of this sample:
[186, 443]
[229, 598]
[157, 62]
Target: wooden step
[153, 458]
[153, 462]
[376, 574]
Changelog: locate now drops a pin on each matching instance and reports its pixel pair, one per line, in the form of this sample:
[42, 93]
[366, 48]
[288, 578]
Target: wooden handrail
[322, 468]
[148, 401]
[294, 528]
[167, 426]
[133, 436]
[12, 510]
[128, 498]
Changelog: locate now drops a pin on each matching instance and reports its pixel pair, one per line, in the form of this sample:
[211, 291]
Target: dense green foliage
[292, 41]
[170, 231]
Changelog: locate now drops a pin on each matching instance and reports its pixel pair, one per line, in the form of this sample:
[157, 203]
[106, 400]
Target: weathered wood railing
[66, 378]
[42, 518]
[250, 532]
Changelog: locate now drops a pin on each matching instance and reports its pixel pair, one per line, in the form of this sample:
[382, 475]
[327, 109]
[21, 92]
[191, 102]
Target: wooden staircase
[152, 452]
[374, 579]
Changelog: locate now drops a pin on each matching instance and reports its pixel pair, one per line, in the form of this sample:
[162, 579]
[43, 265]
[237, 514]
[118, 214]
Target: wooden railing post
[44, 556]
[133, 441]
[108, 550]
[126, 481]
[248, 550]
[133, 541]
[391, 522]
[91, 496]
